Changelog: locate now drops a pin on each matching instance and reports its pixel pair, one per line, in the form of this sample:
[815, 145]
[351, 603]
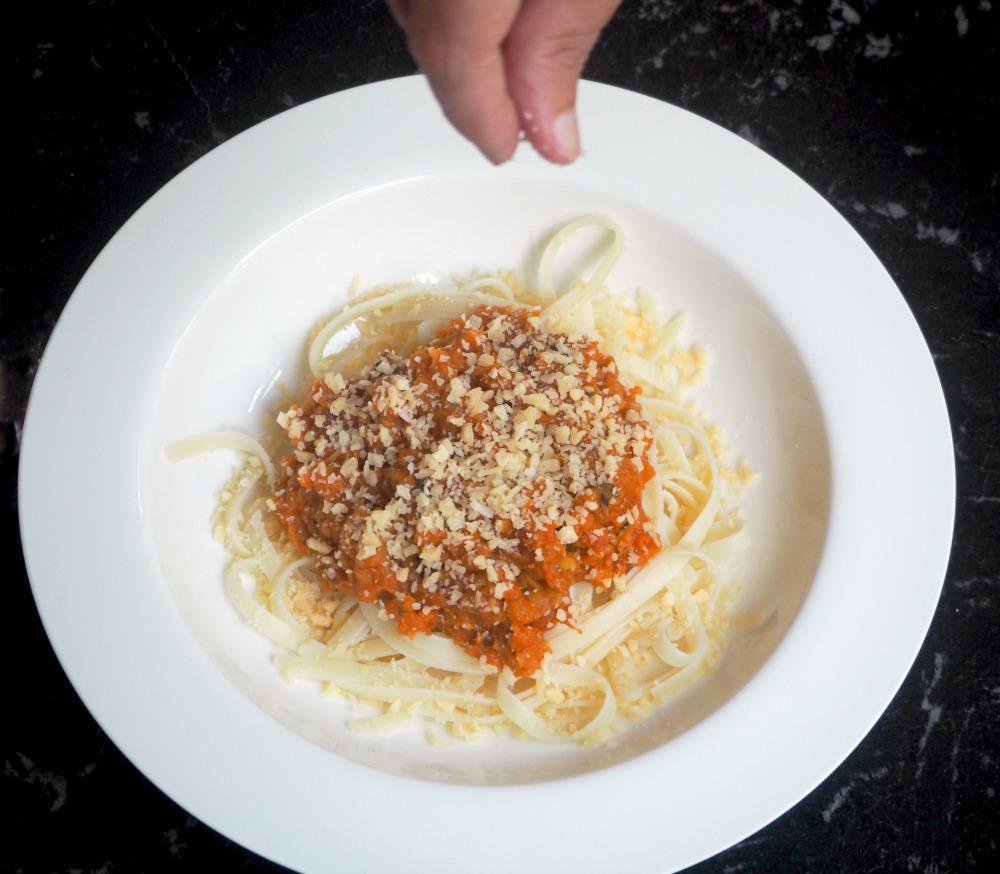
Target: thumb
[544, 54]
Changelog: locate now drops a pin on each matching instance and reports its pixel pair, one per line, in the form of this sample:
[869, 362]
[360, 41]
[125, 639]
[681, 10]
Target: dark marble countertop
[885, 108]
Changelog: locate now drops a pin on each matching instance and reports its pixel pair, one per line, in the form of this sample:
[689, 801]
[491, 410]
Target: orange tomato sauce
[465, 487]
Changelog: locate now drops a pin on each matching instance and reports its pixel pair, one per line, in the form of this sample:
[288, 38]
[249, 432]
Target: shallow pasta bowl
[202, 301]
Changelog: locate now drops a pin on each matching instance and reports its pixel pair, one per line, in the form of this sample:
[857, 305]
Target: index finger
[458, 45]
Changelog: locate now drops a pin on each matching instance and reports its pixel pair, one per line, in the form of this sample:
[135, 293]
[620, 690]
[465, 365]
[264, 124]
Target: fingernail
[566, 135]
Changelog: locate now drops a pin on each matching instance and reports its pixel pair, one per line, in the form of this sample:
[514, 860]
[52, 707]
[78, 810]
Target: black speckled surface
[883, 107]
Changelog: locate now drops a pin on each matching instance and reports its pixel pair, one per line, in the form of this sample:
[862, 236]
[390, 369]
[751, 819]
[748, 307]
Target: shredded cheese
[484, 472]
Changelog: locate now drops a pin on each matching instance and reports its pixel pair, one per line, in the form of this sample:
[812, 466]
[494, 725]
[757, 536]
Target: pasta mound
[327, 545]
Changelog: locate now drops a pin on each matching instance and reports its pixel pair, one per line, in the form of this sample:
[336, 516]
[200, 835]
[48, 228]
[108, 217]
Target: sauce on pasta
[466, 487]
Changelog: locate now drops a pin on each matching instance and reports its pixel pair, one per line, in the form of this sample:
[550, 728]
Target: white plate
[201, 301]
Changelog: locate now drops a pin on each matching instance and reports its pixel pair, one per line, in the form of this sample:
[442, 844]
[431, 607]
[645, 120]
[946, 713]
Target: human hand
[504, 67]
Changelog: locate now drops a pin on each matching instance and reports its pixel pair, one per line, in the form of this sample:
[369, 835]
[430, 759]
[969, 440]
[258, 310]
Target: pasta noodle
[621, 649]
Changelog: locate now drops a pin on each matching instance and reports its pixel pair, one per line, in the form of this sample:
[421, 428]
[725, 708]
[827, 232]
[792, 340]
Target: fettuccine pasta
[495, 509]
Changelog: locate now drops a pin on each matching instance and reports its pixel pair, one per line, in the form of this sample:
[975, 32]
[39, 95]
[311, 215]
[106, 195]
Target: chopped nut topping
[467, 486]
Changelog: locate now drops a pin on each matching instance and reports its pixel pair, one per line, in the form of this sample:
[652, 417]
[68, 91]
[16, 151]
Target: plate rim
[255, 831]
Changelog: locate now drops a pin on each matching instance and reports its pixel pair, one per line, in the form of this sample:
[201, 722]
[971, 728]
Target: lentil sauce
[467, 486]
